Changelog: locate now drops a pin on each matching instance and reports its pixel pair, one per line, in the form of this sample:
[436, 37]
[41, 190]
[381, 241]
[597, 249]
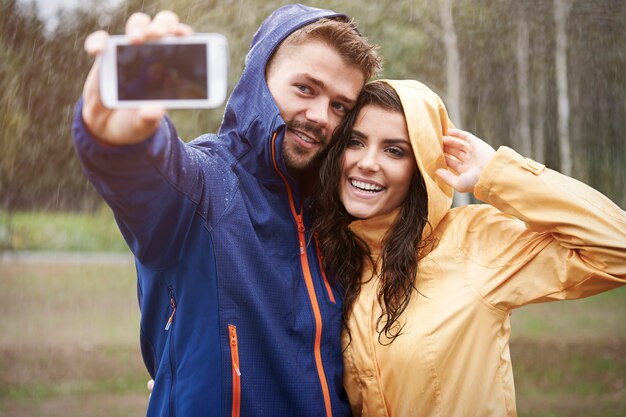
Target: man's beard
[299, 159]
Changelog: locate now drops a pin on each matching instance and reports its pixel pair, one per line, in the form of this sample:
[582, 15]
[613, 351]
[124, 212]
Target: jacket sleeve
[153, 188]
[551, 237]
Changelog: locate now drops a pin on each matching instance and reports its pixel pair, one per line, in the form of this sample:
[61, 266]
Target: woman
[429, 289]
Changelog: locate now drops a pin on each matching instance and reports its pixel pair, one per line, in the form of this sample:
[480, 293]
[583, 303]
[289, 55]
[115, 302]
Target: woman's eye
[395, 151]
[353, 142]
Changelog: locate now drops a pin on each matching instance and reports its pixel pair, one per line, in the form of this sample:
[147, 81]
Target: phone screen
[162, 72]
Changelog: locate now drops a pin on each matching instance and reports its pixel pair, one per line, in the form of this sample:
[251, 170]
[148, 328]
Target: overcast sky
[49, 8]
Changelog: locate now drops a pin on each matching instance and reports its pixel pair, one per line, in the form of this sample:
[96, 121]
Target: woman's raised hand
[466, 156]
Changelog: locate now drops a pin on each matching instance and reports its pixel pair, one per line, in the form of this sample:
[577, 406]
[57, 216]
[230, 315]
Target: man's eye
[303, 88]
[340, 107]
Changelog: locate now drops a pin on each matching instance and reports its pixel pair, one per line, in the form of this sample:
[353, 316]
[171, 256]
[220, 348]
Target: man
[237, 316]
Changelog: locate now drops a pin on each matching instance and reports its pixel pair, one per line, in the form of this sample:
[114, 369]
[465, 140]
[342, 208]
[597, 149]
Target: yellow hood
[427, 120]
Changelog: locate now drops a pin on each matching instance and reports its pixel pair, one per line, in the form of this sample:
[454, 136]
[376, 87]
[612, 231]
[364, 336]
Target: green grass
[569, 358]
[41, 231]
[600, 317]
[69, 340]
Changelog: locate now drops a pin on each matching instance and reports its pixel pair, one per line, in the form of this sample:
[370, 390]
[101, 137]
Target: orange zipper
[234, 356]
[308, 280]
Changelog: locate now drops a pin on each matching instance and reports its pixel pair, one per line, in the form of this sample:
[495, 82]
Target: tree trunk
[539, 119]
[561, 13]
[453, 76]
[524, 145]
[453, 62]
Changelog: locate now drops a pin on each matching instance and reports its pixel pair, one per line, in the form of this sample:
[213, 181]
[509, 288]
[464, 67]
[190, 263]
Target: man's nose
[318, 112]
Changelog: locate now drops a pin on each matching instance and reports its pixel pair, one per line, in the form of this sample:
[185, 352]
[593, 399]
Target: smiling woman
[429, 289]
[378, 164]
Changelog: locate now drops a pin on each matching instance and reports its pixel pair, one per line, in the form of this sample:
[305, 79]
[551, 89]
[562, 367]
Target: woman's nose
[368, 162]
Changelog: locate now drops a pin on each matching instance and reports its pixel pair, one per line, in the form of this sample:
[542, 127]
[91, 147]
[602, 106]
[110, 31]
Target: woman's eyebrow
[358, 133]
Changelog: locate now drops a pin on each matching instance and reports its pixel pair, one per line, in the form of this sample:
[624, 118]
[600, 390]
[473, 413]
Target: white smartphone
[174, 72]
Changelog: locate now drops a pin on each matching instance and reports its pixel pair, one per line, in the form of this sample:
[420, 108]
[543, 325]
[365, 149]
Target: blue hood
[251, 116]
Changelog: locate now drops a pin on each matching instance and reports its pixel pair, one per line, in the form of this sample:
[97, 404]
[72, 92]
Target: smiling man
[237, 316]
[314, 87]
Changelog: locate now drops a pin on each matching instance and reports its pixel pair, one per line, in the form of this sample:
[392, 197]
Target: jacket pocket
[234, 356]
[173, 307]
[163, 398]
[172, 351]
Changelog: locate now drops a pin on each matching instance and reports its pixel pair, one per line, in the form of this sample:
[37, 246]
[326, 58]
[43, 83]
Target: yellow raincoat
[541, 237]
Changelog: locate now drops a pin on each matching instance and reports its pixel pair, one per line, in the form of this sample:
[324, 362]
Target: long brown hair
[345, 255]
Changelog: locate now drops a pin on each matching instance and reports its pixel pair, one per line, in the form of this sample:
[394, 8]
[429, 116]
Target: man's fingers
[96, 42]
[164, 23]
[182, 29]
[136, 27]
[148, 118]
[91, 89]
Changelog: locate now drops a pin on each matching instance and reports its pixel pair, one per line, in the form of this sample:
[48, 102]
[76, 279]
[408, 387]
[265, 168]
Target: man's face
[314, 89]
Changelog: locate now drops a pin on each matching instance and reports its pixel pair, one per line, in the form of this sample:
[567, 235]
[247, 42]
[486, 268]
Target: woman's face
[378, 164]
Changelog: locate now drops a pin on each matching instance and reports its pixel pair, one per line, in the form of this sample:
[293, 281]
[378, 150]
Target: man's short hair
[343, 36]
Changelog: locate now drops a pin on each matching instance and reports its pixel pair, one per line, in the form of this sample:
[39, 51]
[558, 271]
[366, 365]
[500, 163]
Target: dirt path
[66, 257]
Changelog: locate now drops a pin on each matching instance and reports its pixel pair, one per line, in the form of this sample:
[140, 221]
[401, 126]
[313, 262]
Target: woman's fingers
[455, 147]
[455, 164]
[448, 177]
[460, 134]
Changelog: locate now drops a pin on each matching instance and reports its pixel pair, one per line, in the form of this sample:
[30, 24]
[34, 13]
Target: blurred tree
[454, 84]
[20, 37]
[38, 164]
[524, 142]
[561, 12]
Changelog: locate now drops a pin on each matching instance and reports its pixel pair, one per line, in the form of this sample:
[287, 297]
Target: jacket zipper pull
[301, 231]
[173, 304]
[234, 348]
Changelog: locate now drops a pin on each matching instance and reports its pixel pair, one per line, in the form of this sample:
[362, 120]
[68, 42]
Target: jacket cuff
[87, 144]
[503, 157]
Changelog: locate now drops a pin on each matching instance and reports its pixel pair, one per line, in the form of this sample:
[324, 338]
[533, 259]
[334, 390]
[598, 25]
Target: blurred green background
[69, 335]
[69, 331]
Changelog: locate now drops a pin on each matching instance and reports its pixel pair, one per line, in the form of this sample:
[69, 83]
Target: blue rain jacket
[237, 317]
